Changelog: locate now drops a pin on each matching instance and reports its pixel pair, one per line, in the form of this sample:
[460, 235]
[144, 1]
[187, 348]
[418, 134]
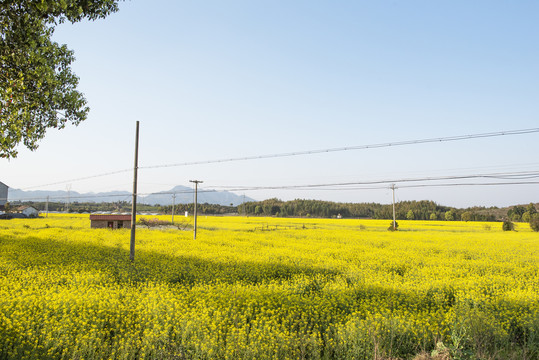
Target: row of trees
[125, 206]
[306, 208]
[521, 213]
[205, 208]
[527, 214]
[405, 210]
[84, 207]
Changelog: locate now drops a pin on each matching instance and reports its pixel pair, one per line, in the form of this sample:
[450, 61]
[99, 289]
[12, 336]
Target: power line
[79, 179]
[322, 187]
[473, 184]
[501, 176]
[385, 187]
[519, 175]
[349, 148]
[497, 176]
[307, 152]
[126, 196]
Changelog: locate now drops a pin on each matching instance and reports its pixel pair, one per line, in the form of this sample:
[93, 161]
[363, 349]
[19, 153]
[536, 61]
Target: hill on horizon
[184, 195]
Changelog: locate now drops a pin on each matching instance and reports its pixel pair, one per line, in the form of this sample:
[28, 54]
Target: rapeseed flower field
[268, 288]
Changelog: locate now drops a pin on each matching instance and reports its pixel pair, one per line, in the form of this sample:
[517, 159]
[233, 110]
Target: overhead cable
[349, 148]
[307, 152]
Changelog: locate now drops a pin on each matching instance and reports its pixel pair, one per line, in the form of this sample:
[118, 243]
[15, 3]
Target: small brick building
[110, 221]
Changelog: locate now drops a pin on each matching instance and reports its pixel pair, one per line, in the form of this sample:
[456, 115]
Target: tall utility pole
[196, 191]
[134, 201]
[68, 187]
[394, 222]
[47, 207]
[173, 205]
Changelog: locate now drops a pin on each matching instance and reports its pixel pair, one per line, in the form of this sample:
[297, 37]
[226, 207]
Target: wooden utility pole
[196, 191]
[134, 201]
[47, 207]
[394, 221]
[173, 205]
[68, 187]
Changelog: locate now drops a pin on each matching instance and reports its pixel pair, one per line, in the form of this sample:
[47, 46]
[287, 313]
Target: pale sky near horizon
[213, 79]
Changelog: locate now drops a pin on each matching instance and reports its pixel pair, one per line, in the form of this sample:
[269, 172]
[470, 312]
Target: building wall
[3, 193]
[104, 224]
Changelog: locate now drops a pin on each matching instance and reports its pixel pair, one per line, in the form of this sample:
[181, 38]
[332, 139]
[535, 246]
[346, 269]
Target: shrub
[391, 228]
[153, 222]
[508, 225]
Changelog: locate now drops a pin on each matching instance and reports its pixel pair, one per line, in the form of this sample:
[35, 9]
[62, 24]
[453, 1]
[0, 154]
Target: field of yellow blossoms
[268, 288]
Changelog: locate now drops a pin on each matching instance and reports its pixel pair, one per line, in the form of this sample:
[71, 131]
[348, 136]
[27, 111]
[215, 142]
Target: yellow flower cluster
[267, 288]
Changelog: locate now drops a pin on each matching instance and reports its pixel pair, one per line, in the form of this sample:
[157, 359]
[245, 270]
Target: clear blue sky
[225, 79]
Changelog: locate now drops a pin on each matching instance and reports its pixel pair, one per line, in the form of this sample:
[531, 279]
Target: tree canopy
[38, 90]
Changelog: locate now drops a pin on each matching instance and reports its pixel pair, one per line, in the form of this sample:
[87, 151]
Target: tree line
[404, 210]
[124, 207]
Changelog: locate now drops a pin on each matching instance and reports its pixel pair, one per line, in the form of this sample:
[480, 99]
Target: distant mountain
[184, 195]
[62, 196]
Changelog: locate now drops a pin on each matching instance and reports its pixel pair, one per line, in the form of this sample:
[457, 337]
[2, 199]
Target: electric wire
[500, 176]
[349, 148]
[308, 152]
[79, 179]
[343, 186]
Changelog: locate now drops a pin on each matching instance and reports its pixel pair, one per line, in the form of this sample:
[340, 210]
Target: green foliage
[37, 88]
[516, 212]
[526, 217]
[449, 215]
[508, 225]
[205, 208]
[421, 210]
[393, 227]
[466, 216]
[534, 222]
[307, 208]
[410, 215]
[531, 209]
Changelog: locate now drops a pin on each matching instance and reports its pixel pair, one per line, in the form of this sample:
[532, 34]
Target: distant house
[3, 195]
[27, 211]
[110, 221]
